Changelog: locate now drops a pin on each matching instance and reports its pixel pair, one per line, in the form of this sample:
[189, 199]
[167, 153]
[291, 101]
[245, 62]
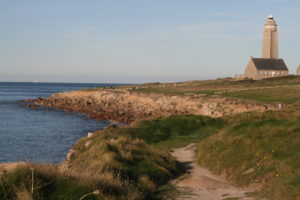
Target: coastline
[128, 107]
[179, 121]
[121, 107]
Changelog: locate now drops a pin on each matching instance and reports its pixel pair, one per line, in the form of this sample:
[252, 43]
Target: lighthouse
[269, 65]
[270, 39]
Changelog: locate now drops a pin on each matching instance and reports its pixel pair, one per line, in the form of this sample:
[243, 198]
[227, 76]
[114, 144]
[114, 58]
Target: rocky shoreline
[127, 107]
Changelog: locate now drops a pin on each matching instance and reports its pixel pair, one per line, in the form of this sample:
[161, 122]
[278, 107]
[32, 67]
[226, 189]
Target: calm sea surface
[39, 135]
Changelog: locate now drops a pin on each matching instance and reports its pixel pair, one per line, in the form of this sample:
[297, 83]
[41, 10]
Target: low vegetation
[258, 148]
[279, 89]
[35, 182]
[171, 132]
[271, 90]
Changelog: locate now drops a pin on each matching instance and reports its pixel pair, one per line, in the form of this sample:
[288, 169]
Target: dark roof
[269, 64]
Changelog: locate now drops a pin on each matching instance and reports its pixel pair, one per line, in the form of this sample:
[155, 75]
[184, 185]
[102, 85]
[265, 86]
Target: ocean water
[42, 134]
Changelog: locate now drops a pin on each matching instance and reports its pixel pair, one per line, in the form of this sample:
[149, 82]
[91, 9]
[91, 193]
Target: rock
[248, 171]
[87, 144]
[90, 134]
[70, 154]
[127, 107]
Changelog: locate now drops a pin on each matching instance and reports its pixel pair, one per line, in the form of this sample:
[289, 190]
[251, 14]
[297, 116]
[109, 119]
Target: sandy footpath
[201, 184]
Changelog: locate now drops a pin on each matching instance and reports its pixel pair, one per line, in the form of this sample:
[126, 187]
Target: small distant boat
[34, 81]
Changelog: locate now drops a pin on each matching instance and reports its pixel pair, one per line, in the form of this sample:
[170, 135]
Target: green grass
[129, 161]
[258, 147]
[174, 131]
[283, 94]
[281, 89]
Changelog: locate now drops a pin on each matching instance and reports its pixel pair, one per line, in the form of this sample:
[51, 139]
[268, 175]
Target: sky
[136, 41]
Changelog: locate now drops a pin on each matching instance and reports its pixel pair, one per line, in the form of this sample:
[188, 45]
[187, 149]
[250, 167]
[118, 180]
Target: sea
[42, 134]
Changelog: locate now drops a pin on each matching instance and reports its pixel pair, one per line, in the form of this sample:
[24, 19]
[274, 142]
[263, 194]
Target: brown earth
[124, 106]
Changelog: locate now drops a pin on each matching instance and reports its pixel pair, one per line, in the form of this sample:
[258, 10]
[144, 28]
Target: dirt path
[201, 184]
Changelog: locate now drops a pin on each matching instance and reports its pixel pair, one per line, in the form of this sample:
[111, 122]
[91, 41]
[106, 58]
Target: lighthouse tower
[270, 39]
[269, 65]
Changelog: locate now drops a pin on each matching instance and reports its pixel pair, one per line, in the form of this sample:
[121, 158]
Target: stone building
[270, 65]
[298, 70]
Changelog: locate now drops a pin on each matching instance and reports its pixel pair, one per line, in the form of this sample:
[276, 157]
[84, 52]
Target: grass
[280, 89]
[35, 182]
[283, 94]
[258, 147]
[139, 153]
[116, 166]
[174, 131]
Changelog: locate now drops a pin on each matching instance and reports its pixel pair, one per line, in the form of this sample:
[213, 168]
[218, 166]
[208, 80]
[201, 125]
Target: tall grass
[112, 158]
[37, 182]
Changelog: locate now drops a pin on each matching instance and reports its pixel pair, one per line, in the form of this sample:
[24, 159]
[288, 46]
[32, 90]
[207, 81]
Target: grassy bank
[119, 163]
[258, 148]
[36, 182]
[116, 167]
[171, 132]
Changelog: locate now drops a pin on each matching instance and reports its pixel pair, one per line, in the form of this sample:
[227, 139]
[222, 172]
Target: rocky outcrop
[124, 106]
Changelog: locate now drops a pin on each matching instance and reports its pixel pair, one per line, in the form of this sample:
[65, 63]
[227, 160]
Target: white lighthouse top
[270, 22]
[270, 17]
